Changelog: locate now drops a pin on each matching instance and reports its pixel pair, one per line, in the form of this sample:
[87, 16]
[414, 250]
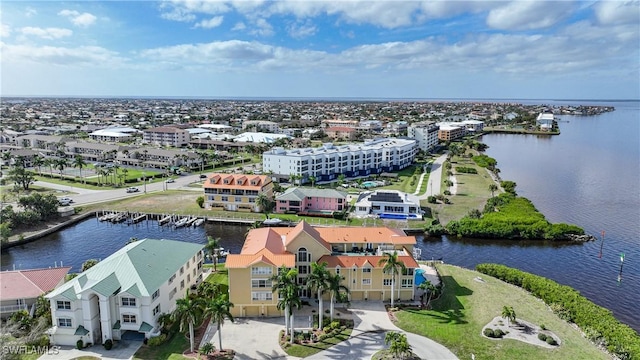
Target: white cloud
[239, 26]
[528, 15]
[29, 12]
[46, 33]
[77, 18]
[261, 27]
[618, 12]
[178, 15]
[300, 31]
[211, 23]
[5, 30]
[88, 56]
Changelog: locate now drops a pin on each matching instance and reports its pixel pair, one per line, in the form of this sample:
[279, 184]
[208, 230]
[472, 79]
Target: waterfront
[588, 176]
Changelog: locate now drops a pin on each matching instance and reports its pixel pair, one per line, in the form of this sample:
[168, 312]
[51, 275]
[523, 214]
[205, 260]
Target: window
[238, 199]
[64, 322]
[63, 305]
[303, 269]
[181, 270]
[128, 319]
[225, 198]
[366, 281]
[173, 292]
[173, 277]
[261, 296]
[128, 301]
[181, 284]
[303, 255]
[260, 270]
[188, 263]
[407, 283]
[260, 283]
[366, 270]
[188, 277]
[194, 272]
[407, 271]
[155, 294]
[386, 282]
[337, 270]
[156, 310]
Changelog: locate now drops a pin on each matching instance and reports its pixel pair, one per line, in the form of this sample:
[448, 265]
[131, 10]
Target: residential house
[390, 204]
[341, 133]
[236, 192]
[127, 291]
[311, 200]
[545, 121]
[19, 289]
[353, 252]
[166, 136]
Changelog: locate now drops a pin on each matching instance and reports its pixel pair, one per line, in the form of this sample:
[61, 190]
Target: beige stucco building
[353, 252]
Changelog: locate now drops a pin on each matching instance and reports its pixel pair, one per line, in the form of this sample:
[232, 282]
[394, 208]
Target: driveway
[370, 327]
[257, 338]
[122, 350]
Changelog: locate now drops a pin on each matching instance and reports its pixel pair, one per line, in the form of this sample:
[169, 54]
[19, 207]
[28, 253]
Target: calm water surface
[589, 176]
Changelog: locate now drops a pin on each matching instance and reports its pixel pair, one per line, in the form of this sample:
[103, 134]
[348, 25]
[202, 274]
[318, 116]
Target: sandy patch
[522, 331]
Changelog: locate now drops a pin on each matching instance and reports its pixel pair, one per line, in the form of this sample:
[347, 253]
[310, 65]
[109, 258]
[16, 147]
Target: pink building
[297, 199]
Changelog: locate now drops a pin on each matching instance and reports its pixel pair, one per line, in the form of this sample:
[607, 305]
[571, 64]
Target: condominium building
[127, 291]
[340, 123]
[425, 133]
[473, 126]
[236, 192]
[261, 126]
[353, 252]
[166, 136]
[353, 160]
[451, 131]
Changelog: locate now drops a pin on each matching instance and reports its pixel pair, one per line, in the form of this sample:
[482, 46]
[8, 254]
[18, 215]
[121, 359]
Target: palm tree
[318, 280]
[61, 164]
[399, 346]
[341, 179]
[313, 180]
[188, 312]
[203, 157]
[212, 248]
[264, 203]
[115, 168]
[428, 289]
[335, 286]
[394, 266]
[38, 161]
[165, 320]
[219, 308]
[78, 162]
[50, 162]
[493, 188]
[509, 314]
[208, 290]
[285, 283]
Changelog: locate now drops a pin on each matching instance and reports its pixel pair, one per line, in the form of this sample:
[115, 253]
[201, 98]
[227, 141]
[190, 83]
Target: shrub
[542, 336]
[326, 329]
[200, 201]
[498, 333]
[334, 324]
[551, 341]
[155, 341]
[108, 344]
[431, 199]
[488, 332]
[447, 192]
[80, 344]
[543, 327]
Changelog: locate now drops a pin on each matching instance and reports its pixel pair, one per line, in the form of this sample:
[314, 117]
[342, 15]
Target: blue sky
[328, 49]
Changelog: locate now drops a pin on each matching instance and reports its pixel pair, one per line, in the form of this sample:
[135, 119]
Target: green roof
[144, 327]
[139, 268]
[116, 326]
[299, 193]
[81, 331]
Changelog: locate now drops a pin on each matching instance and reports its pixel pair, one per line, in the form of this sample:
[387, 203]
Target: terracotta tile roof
[263, 238]
[165, 129]
[236, 181]
[359, 261]
[25, 284]
[340, 235]
[340, 129]
[242, 261]
[303, 226]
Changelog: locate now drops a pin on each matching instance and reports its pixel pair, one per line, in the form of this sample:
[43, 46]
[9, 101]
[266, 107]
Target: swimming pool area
[370, 184]
[400, 216]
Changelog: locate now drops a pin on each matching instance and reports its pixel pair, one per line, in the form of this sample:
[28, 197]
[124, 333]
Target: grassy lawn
[472, 192]
[403, 182]
[219, 277]
[171, 350]
[304, 350]
[466, 305]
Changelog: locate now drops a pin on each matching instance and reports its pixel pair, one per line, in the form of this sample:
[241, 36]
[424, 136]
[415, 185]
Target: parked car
[170, 180]
[64, 201]
[132, 189]
[203, 176]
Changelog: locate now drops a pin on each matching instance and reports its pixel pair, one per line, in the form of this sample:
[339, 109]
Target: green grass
[457, 318]
[304, 350]
[219, 277]
[171, 349]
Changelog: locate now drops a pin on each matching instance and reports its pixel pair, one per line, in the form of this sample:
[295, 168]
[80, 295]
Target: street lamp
[144, 181]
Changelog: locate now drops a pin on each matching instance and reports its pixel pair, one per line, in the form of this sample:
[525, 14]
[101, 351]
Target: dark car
[203, 176]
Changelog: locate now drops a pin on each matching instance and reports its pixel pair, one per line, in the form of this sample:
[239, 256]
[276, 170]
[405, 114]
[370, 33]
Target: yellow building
[236, 192]
[353, 252]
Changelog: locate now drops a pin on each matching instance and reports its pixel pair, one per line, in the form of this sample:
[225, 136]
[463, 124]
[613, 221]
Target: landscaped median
[471, 300]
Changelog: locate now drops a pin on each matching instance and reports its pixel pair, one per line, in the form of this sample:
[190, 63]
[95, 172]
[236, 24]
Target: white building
[167, 136]
[255, 137]
[390, 204]
[425, 133]
[353, 160]
[474, 126]
[218, 128]
[125, 292]
[261, 125]
[117, 134]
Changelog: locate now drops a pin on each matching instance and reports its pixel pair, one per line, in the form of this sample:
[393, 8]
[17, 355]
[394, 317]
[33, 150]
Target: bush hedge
[619, 339]
[466, 170]
[155, 341]
[542, 336]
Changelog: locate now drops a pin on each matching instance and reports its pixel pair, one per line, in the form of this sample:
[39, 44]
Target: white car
[132, 190]
[170, 181]
[65, 201]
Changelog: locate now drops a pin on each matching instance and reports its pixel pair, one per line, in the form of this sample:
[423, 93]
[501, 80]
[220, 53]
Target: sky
[322, 49]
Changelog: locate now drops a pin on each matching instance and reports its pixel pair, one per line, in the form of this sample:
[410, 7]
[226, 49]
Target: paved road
[433, 188]
[86, 196]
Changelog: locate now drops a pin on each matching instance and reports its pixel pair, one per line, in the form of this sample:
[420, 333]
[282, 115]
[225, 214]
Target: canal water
[589, 176]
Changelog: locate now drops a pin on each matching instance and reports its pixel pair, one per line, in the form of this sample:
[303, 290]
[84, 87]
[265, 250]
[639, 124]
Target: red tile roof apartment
[19, 289]
[236, 192]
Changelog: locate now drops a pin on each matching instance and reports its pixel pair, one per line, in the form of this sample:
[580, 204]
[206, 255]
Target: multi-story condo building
[340, 123]
[474, 126]
[451, 131]
[353, 160]
[341, 133]
[261, 126]
[236, 192]
[425, 133]
[352, 252]
[127, 291]
[311, 200]
[166, 136]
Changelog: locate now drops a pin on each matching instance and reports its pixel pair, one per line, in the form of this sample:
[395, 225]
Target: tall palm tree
[38, 161]
[50, 162]
[78, 162]
[264, 203]
[394, 266]
[285, 283]
[313, 180]
[213, 244]
[493, 188]
[61, 163]
[508, 313]
[429, 289]
[219, 308]
[115, 169]
[318, 280]
[335, 286]
[188, 312]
